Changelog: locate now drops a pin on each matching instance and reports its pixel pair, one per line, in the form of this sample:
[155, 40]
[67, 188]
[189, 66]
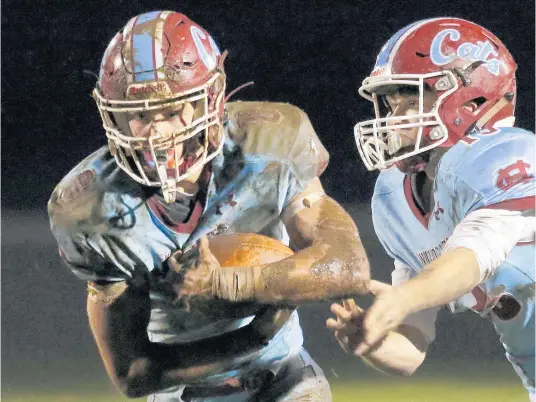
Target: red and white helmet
[461, 62]
[159, 60]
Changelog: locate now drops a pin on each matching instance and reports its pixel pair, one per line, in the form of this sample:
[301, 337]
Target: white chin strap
[171, 187]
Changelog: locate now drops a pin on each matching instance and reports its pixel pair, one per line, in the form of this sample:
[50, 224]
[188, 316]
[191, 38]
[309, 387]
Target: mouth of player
[415, 163]
[168, 157]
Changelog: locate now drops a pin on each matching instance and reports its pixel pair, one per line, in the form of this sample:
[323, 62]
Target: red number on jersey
[513, 174]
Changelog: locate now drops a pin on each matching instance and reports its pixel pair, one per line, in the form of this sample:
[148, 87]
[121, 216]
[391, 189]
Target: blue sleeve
[80, 225]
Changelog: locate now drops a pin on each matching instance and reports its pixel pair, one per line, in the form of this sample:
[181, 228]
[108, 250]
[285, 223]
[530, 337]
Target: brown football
[247, 249]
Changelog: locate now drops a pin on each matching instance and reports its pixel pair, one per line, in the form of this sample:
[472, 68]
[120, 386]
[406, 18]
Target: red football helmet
[159, 60]
[457, 59]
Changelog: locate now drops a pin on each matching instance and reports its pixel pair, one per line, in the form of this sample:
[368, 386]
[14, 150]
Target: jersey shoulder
[388, 181]
[89, 194]
[279, 132]
[383, 205]
[477, 150]
[496, 165]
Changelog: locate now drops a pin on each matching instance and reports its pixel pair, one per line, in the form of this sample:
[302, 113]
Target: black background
[310, 53]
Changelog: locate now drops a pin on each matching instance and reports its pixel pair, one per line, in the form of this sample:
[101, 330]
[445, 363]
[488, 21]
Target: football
[247, 249]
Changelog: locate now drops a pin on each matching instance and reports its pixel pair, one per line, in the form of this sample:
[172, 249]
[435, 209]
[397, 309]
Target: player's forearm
[162, 366]
[331, 264]
[400, 353]
[323, 271]
[335, 264]
[449, 277]
[179, 364]
[137, 366]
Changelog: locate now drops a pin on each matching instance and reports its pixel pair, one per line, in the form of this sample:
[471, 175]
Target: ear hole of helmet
[477, 102]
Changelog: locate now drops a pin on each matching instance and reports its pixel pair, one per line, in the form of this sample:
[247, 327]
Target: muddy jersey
[108, 227]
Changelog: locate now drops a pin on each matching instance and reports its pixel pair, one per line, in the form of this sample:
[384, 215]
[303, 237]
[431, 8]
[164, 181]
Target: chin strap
[464, 76]
[486, 117]
[234, 91]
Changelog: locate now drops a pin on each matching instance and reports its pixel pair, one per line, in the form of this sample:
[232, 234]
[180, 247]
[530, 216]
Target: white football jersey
[488, 170]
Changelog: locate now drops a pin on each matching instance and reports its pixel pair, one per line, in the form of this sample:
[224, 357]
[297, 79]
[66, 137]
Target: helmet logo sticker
[148, 90]
[209, 59]
[479, 51]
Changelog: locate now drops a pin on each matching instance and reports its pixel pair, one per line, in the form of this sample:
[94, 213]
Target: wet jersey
[108, 226]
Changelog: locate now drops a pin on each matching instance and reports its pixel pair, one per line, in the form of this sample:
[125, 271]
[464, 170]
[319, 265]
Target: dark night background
[313, 54]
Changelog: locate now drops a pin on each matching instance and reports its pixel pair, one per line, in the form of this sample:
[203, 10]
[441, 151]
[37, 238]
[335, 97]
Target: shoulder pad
[79, 197]
[388, 180]
[496, 165]
[280, 131]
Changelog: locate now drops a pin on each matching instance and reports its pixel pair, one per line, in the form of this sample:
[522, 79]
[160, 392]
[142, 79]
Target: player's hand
[192, 273]
[354, 330]
[384, 315]
[348, 324]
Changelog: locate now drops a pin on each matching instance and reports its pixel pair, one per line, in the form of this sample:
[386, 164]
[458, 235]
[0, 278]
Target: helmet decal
[479, 51]
[209, 59]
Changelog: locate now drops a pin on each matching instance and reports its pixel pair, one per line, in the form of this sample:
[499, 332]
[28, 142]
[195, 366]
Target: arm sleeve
[491, 234]
[93, 259]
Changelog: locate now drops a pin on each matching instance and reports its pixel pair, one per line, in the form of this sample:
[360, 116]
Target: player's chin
[413, 164]
[151, 173]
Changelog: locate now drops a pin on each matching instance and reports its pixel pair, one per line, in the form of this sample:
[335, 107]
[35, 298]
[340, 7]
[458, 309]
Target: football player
[454, 202]
[181, 165]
